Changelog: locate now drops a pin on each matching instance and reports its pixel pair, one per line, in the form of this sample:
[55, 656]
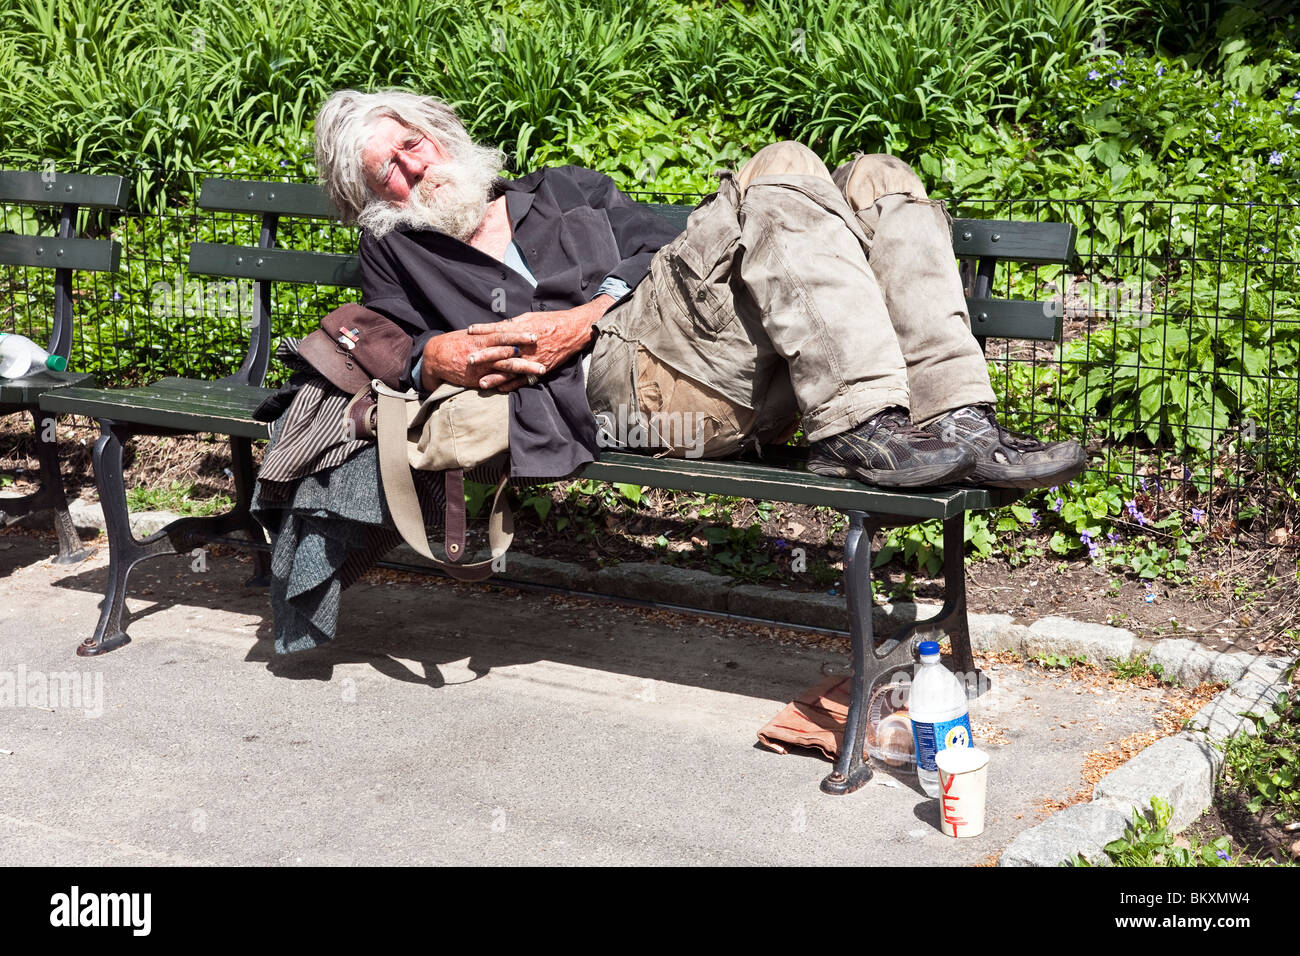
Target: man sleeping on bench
[795, 295]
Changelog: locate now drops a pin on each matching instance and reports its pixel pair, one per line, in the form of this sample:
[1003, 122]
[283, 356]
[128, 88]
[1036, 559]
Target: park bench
[64, 254]
[226, 407]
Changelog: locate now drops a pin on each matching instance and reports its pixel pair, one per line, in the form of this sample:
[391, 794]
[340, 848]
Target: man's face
[418, 183]
[397, 159]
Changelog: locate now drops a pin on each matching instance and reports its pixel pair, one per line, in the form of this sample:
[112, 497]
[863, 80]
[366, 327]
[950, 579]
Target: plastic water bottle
[20, 356]
[937, 706]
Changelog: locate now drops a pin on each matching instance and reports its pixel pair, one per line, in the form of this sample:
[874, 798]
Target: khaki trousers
[793, 294]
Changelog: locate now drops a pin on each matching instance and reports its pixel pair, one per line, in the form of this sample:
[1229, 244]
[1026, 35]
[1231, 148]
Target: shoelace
[901, 425]
[1008, 438]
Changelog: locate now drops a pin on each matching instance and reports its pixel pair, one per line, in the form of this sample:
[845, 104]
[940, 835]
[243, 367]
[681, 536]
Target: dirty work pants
[792, 295]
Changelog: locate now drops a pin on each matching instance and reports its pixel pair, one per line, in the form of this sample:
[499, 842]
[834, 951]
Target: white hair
[344, 126]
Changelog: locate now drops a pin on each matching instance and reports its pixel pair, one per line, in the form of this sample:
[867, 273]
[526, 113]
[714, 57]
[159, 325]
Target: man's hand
[480, 361]
[554, 337]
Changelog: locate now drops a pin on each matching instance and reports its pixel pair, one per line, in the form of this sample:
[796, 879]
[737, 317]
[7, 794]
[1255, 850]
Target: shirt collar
[518, 202]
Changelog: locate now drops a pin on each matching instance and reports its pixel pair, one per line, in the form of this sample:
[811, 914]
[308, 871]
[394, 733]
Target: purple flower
[1221, 855]
[1053, 490]
[1296, 95]
[1093, 548]
[1215, 137]
[1160, 70]
[1112, 537]
[1033, 517]
[1143, 483]
[117, 297]
[1134, 512]
[283, 163]
[1197, 515]
[1057, 504]
[1236, 102]
[1275, 158]
[1094, 75]
[781, 544]
[1116, 83]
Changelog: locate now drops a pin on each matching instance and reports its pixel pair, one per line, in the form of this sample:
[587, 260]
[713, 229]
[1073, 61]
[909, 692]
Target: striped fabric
[311, 435]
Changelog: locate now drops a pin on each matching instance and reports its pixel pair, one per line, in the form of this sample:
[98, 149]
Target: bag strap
[404, 505]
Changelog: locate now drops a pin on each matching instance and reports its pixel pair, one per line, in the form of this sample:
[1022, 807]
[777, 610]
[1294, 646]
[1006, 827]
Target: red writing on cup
[950, 802]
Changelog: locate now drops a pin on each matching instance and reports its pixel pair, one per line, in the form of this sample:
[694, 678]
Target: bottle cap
[928, 649]
[57, 362]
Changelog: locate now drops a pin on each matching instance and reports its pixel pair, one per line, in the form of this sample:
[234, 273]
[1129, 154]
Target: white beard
[452, 198]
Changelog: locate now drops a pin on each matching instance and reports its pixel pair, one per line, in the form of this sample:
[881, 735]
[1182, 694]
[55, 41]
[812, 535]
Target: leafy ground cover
[1253, 821]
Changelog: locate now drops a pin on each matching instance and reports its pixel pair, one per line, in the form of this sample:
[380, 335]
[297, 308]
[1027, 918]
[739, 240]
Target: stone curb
[89, 516]
[1181, 769]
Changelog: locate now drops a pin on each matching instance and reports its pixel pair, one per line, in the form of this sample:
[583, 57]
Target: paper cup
[963, 783]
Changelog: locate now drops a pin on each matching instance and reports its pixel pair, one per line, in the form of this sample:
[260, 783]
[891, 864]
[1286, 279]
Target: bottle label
[930, 738]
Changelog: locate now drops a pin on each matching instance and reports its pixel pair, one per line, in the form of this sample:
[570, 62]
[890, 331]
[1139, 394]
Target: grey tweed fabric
[328, 528]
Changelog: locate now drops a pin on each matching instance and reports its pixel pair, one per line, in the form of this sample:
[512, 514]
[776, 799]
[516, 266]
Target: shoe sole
[990, 475]
[892, 477]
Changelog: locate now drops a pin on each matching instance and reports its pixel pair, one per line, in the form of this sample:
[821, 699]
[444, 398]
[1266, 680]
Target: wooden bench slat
[161, 408]
[1034, 243]
[50, 252]
[750, 480]
[1011, 319]
[275, 265]
[96, 192]
[284, 199]
[27, 391]
[1041, 243]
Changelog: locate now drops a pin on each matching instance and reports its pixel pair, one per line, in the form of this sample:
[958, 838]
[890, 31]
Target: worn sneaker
[889, 450]
[1004, 459]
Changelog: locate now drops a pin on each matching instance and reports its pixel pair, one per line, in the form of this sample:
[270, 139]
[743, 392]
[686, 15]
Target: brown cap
[354, 345]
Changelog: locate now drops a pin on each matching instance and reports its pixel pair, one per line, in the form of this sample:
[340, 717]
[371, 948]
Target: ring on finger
[517, 352]
[532, 379]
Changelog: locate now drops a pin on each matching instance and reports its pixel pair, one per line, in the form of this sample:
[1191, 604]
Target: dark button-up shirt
[575, 229]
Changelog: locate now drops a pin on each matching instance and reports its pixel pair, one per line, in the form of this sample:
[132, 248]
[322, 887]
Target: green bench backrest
[62, 253]
[984, 242]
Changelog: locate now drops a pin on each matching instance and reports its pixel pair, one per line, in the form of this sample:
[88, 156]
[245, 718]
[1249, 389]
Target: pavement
[461, 724]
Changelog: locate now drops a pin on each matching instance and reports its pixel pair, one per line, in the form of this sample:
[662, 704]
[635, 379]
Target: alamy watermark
[189, 298]
[128, 910]
[67, 689]
[1101, 298]
[627, 428]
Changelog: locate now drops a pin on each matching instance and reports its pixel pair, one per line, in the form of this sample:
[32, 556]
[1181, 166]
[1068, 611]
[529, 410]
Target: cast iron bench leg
[899, 650]
[869, 662]
[70, 549]
[50, 496]
[952, 619]
[124, 551]
[241, 458]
